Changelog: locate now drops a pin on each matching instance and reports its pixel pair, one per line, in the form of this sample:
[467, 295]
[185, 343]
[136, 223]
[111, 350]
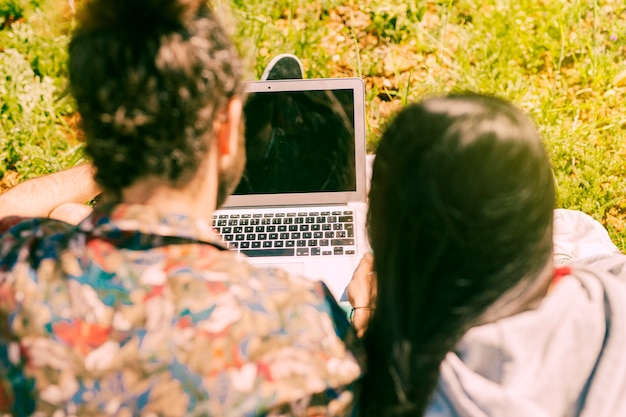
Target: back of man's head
[150, 77]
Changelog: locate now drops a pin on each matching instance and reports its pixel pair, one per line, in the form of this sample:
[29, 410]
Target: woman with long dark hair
[456, 308]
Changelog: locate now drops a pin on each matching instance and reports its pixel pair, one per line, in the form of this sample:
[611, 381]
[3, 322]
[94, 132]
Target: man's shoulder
[264, 278]
[17, 233]
[15, 224]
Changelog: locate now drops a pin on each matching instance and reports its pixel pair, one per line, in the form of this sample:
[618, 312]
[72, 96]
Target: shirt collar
[113, 219]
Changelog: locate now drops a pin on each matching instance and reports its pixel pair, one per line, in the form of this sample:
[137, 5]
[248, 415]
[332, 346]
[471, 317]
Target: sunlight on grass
[564, 62]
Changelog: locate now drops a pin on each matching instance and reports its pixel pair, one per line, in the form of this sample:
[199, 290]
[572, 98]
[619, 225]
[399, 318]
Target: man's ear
[228, 130]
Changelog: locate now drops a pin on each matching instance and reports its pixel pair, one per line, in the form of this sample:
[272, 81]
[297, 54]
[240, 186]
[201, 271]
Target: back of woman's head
[149, 78]
[460, 216]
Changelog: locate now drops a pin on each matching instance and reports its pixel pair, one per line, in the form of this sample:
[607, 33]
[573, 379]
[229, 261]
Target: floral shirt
[134, 313]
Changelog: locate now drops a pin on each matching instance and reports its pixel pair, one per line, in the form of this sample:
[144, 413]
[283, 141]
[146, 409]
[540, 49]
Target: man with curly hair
[139, 310]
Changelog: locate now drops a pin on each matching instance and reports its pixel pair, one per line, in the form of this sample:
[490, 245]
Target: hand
[72, 213]
[361, 293]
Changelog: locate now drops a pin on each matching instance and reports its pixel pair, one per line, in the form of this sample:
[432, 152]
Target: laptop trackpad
[295, 268]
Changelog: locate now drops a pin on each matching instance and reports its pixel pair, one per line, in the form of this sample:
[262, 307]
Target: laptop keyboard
[312, 233]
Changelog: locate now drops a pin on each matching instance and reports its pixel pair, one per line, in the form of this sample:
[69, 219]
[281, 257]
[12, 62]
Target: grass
[561, 61]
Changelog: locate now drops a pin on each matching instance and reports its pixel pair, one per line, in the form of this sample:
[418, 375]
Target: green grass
[35, 112]
[558, 60]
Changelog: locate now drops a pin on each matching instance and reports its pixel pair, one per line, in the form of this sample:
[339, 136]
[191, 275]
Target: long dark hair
[460, 216]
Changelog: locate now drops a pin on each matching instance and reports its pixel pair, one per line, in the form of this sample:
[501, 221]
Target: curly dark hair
[149, 78]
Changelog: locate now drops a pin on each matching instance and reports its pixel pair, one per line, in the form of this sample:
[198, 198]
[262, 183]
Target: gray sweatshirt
[566, 358]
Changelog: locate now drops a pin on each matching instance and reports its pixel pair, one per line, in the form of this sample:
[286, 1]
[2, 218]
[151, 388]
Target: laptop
[301, 202]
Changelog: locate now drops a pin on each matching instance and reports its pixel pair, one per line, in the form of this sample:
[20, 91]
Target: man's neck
[196, 199]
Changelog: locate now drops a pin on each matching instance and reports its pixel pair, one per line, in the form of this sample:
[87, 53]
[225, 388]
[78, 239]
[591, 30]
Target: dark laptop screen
[299, 142]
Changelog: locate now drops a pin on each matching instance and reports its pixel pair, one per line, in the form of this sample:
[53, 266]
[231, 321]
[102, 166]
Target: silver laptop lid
[305, 143]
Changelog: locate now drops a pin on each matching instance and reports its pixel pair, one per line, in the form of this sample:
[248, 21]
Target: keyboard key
[307, 235]
[316, 251]
[284, 236]
[329, 235]
[301, 243]
[268, 252]
[226, 230]
[324, 242]
[270, 229]
[244, 245]
[338, 250]
[346, 219]
[257, 216]
[318, 235]
[332, 219]
[296, 235]
[293, 228]
[279, 244]
[304, 227]
[234, 216]
[259, 229]
[340, 234]
[325, 213]
[282, 228]
[290, 243]
[288, 221]
[233, 222]
[250, 236]
[350, 252]
[326, 226]
[229, 238]
[342, 242]
[239, 238]
[277, 220]
[266, 221]
[326, 253]
[312, 242]
[268, 215]
[273, 236]
[237, 229]
[254, 222]
[256, 244]
[248, 229]
[262, 236]
[267, 244]
[310, 220]
[302, 252]
[337, 226]
[222, 223]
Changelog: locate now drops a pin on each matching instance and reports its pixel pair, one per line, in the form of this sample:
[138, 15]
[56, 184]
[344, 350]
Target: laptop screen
[305, 143]
[299, 142]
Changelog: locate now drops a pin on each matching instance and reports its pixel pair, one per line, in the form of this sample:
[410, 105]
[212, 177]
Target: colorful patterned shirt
[135, 313]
